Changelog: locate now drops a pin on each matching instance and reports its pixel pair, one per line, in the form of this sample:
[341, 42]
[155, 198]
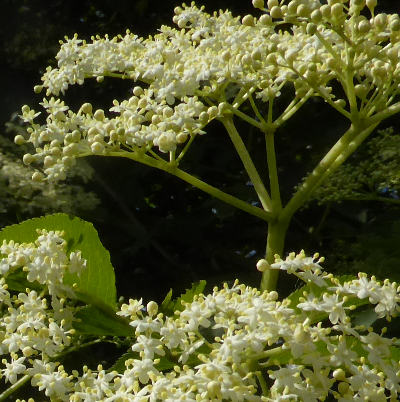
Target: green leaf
[366, 317]
[17, 281]
[168, 306]
[101, 322]
[119, 365]
[166, 302]
[98, 279]
[164, 364]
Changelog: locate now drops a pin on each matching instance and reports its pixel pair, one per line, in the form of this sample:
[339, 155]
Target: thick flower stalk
[209, 68]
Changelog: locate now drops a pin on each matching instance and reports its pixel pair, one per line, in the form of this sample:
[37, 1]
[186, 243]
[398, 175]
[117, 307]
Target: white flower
[14, 368]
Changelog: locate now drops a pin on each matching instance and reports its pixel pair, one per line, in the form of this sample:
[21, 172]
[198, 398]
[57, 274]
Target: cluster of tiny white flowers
[236, 344]
[209, 67]
[36, 325]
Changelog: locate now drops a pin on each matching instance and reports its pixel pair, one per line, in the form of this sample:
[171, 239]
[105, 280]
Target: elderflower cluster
[228, 345]
[36, 324]
[209, 67]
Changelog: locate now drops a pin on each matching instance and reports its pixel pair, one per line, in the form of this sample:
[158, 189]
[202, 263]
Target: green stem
[272, 170]
[275, 245]
[245, 117]
[343, 148]
[293, 107]
[194, 181]
[9, 391]
[262, 383]
[185, 148]
[384, 114]
[251, 170]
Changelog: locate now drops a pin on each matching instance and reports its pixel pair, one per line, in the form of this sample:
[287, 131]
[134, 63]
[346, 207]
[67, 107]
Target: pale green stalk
[194, 181]
[251, 170]
[13, 388]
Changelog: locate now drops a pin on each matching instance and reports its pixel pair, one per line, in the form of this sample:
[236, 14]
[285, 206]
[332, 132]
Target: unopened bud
[316, 16]
[137, 91]
[37, 89]
[371, 4]
[265, 19]
[364, 26]
[152, 308]
[276, 12]
[258, 3]
[337, 10]
[86, 108]
[181, 138]
[19, 139]
[97, 148]
[248, 20]
[262, 265]
[99, 115]
[28, 159]
[380, 21]
[37, 176]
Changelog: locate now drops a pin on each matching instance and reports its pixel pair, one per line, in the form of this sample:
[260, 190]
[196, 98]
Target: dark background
[162, 233]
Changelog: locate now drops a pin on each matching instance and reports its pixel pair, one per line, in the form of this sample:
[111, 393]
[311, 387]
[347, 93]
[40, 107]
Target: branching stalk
[251, 170]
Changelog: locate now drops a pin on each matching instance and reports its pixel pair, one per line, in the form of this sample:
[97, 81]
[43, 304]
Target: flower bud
[337, 11]
[70, 149]
[37, 177]
[371, 4]
[137, 91]
[97, 148]
[303, 11]
[203, 117]
[100, 78]
[19, 139]
[181, 138]
[339, 374]
[394, 24]
[28, 159]
[364, 26]
[152, 308]
[380, 21]
[48, 161]
[37, 89]
[272, 3]
[262, 265]
[316, 16]
[325, 11]
[75, 136]
[248, 20]
[86, 108]
[25, 109]
[361, 91]
[142, 103]
[276, 12]
[265, 19]
[99, 115]
[258, 3]
[212, 112]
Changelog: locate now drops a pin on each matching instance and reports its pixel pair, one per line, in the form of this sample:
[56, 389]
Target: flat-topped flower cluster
[236, 343]
[209, 68]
